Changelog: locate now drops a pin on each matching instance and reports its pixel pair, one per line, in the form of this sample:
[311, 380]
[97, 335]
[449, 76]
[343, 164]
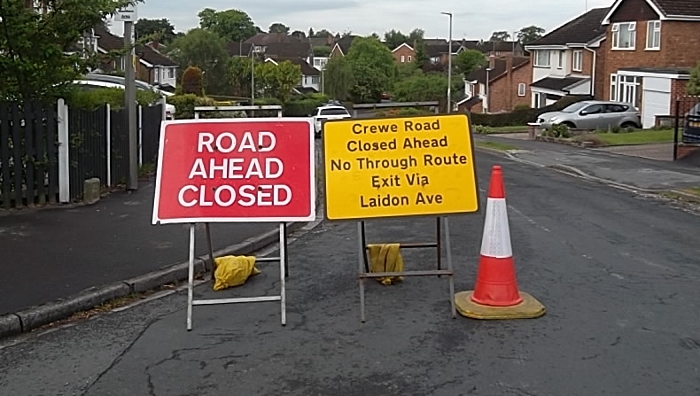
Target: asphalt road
[618, 274]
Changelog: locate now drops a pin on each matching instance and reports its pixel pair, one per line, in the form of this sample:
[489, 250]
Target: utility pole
[252, 74]
[449, 65]
[128, 16]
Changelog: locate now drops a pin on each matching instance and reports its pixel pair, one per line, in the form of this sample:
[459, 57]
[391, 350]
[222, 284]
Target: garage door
[656, 99]
[654, 103]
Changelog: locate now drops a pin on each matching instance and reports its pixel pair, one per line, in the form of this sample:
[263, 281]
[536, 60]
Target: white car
[169, 108]
[325, 113]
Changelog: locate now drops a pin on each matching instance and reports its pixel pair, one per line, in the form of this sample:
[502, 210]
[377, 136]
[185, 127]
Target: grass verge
[636, 137]
[486, 130]
[496, 146]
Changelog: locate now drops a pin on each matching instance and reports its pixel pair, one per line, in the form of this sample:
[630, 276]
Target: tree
[232, 25]
[415, 35]
[394, 38]
[421, 87]
[158, 27]
[530, 34]
[337, 78]
[469, 61]
[322, 51]
[298, 34]
[693, 87]
[373, 69]
[206, 50]
[421, 54]
[277, 81]
[278, 27]
[311, 32]
[323, 33]
[192, 81]
[34, 46]
[239, 75]
[500, 36]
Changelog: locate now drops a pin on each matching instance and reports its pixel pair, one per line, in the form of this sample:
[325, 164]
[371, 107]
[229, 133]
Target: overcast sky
[472, 19]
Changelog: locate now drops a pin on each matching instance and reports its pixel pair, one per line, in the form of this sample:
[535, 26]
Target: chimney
[492, 61]
[509, 81]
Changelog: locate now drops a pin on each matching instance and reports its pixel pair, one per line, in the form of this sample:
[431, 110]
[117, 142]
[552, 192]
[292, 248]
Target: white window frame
[403, 59]
[560, 61]
[654, 35]
[613, 87]
[543, 62]
[617, 38]
[577, 61]
[522, 89]
[624, 89]
[409, 58]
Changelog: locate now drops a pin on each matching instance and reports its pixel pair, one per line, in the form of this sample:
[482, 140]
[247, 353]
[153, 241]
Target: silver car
[593, 114]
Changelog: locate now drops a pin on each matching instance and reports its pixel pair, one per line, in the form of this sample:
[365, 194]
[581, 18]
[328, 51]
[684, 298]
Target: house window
[314, 79]
[409, 58]
[542, 58]
[540, 100]
[171, 72]
[577, 64]
[403, 59]
[521, 89]
[435, 59]
[653, 35]
[624, 35]
[560, 63]
[624, 88]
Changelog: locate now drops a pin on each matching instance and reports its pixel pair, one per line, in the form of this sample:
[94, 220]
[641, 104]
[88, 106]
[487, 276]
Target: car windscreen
[334, 112]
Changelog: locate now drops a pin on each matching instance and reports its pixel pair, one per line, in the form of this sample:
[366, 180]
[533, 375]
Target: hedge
[523, 116]
[93, 99]
[185, 104]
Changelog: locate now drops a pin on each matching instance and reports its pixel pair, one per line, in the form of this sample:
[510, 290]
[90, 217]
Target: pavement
[618, 273]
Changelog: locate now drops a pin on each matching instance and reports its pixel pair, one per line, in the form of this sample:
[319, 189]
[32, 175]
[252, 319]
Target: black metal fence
[28, 154]
[686, 123]
[97, 148]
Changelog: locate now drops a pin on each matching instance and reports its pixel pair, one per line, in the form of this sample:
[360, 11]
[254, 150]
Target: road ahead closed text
[237, 170]
[399, 167]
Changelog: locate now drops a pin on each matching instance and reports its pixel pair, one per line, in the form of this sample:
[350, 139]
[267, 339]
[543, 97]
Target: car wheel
[568, 125]
[629, 125]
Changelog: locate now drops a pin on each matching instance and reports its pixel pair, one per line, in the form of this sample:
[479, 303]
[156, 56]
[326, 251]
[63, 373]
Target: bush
[185, 104]
[192, 81]
[523, 116]
[301, 107]
[93, 99]
[403, 111]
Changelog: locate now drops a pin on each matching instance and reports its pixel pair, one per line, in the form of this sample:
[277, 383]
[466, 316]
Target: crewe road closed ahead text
[399, 167]
[235, 171]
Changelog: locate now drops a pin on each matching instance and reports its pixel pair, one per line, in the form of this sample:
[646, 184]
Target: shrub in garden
[192, 81]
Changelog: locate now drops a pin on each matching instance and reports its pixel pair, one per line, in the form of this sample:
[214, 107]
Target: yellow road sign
[395, 167]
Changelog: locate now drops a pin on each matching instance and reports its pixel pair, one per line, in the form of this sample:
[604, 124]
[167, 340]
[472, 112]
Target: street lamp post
[488, 72]
[449, 65]
[252, 75]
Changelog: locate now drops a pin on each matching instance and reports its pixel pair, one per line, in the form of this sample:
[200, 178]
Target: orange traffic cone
[496, 294]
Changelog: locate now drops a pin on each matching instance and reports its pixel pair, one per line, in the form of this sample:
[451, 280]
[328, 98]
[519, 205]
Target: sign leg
[211, 251]
[448, 248]
[363, 242]
[283, 266]
[286, 256]
[190, 280]
[361, 266]
[438, 243]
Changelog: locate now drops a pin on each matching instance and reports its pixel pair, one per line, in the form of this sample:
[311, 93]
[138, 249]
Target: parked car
[325, 113]
[593, 114]
[121, 80]
[169, 108]
[691, 130]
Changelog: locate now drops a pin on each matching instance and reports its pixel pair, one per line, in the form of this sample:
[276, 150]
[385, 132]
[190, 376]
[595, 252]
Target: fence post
[109, 145]
[63, 153]
[675, 130]
[164, 113]
[140, 130]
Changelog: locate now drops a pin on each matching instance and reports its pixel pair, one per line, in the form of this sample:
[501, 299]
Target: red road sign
[235, 170]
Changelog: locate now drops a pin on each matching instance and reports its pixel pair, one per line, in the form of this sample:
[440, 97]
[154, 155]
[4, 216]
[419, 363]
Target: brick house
[651, 47]
[494, 48]
[565, 61]
[404, 53]
[501, 86]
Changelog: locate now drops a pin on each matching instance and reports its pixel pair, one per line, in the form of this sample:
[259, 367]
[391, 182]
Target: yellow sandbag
[233, 271]
[386, 258]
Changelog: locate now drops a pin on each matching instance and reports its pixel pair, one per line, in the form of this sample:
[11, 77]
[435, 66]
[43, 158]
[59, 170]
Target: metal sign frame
[282, 297]
[441, 221]
[364, 270]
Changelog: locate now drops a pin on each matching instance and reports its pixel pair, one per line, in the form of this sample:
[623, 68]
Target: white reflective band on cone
[496, 239]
